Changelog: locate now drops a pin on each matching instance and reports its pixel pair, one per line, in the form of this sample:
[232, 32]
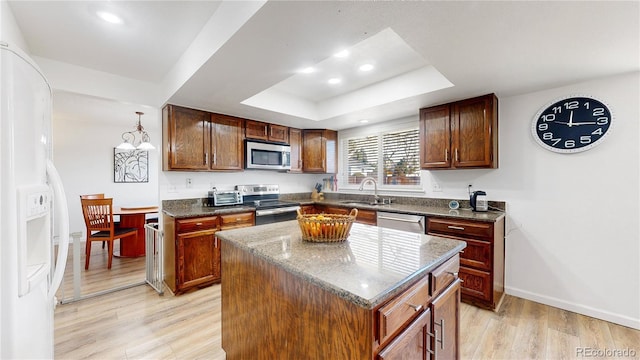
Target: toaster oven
[222, 198]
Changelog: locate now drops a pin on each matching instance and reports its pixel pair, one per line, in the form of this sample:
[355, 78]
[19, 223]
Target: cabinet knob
[415, 307]
[199, 224]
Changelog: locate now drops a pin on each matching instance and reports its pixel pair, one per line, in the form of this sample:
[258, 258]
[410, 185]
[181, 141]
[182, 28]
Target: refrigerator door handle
[62, 214]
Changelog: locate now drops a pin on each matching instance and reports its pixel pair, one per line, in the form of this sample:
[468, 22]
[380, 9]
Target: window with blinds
[392, 158]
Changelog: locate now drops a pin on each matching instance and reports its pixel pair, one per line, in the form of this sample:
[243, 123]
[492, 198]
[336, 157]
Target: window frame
[379, 130]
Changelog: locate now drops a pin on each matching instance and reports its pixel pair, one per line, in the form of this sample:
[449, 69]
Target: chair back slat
[98, 214]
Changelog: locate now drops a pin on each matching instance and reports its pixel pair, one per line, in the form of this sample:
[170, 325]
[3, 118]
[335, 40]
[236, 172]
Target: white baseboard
[577, 308]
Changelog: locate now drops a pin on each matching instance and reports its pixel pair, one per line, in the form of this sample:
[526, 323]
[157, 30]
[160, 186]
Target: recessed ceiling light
[334, 81]
[109, 17]
[342, 54]
[366, 67]
[364, 121]
[308, 70]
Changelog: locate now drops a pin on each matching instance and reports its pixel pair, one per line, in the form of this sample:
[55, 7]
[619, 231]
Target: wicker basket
[326, 227]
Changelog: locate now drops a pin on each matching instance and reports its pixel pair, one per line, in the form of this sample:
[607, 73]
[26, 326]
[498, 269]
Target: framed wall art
[130, 166]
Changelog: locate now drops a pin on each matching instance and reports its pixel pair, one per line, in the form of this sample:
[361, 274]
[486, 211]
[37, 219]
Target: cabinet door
[435, 137]
[256, 130]
[195, 261]
[226, 143]
[412, 343]
[308, 209]
[217, 259]
[472, 132]
[186, 145]
[295, 141]
[278, 133]
[320, 151]
[446, 325]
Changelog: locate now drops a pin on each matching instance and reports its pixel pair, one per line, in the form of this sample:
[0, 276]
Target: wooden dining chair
[94, 196]
[98, 218]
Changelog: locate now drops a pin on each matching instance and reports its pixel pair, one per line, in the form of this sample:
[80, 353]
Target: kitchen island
[373, 296]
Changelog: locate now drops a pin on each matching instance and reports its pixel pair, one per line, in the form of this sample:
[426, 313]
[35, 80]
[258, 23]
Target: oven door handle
[277, 211]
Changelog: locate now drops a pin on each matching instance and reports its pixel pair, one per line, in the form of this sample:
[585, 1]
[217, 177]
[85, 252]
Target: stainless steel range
[269, 208]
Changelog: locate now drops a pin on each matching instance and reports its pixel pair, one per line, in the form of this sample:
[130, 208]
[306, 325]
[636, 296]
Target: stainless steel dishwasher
[411, 223]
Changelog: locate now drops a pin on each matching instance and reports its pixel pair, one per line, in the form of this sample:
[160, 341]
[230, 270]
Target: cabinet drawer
[404, 307]
[477, 254]
[231, 221]
[460, 228]
[196, 224]
[367, 217]
[476, 283]
[444, 275]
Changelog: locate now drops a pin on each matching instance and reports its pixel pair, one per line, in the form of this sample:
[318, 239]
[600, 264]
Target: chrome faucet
[376, 198]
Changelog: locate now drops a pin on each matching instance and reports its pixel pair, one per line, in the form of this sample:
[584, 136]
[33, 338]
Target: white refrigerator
[33, 211]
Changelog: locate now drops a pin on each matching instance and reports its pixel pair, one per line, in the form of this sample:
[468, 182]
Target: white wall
[173, 183]
[9, 30]
[83, 154]
[573, 233]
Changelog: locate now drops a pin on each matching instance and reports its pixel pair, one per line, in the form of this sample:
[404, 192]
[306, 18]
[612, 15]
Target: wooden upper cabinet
[186, 138]
[320, 153]
[295, 141]
[462, 134]
[268, 132]
[201, 141]
[227, 146]
[435, 137]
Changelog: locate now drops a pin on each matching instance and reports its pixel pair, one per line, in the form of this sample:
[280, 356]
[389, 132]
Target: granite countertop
[372, 265]
[194, 207]
[489, 216]
[181, 209]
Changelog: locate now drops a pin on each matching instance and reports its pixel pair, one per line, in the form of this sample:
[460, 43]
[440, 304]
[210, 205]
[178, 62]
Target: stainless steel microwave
[267, 156]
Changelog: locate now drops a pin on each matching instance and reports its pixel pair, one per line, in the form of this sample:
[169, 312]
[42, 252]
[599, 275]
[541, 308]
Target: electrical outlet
[435, 187]
[189, 183]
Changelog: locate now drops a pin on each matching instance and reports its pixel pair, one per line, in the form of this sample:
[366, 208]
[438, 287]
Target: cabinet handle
[415, 307]
[199, 224]
[214, 157]
[446, 155]
[206, 158]
[455, 274]
[455, 227]
[457, 155]
[441, 341]
[435, 350]
[265, 129]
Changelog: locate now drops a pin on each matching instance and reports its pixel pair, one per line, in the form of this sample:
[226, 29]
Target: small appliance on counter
[478, 200]
[222, 198]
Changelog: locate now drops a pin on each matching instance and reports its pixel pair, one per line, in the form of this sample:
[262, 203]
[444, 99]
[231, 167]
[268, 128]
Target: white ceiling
[507, 48]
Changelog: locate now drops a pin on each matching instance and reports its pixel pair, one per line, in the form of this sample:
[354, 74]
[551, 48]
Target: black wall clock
[572, 124]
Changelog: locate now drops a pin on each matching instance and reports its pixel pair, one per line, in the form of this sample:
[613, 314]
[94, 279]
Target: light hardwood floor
[137, 323]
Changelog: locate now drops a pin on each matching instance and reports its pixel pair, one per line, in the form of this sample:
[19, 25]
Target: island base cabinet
[413, 343]
[445, 310]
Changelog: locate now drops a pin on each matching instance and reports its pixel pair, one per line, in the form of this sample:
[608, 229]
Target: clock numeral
[602, 121]
[585, 139]
[597, 131]
[598, 112]
[571, 105]
[543, 127]
[557, 109]
[547, 136]
[570, 144]
[586, 105]
[548, 117]
[556, 141]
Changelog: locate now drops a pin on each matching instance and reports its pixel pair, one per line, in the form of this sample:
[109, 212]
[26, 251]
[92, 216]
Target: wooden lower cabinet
[413, 343]
[445, 311]
[192, 252]
[364, 216]
[482, 262]
[300, 320]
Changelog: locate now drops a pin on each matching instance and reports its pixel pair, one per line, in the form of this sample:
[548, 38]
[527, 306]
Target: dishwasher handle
[415, 221]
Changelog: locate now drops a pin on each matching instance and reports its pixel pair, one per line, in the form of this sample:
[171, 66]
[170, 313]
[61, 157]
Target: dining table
[133, 217]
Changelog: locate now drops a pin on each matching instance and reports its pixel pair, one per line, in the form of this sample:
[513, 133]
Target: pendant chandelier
[133, 142]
